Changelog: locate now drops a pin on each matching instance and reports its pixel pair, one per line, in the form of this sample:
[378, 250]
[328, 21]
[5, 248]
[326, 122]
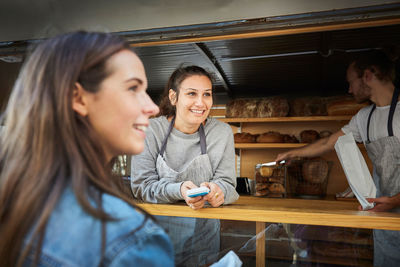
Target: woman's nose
[199, 101]
[149, 107]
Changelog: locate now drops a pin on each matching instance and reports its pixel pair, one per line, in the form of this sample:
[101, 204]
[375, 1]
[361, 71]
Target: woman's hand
[216, 196]
[193, 202]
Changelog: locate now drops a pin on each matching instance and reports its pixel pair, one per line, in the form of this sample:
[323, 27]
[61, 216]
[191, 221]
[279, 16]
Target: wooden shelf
[287, 119]
[267, 145]
[274, 145]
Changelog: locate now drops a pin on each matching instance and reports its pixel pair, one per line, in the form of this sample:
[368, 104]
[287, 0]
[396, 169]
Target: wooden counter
[294, 211]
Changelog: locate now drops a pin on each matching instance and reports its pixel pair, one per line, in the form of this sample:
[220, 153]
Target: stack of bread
[258, 108]
[278, 106]
[306, 136]
[270, 181]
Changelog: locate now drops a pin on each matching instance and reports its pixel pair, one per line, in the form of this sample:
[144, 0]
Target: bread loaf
[309, 136]
[261, 189]
[272, 107]
[279, 180]
[261, 186]
[307, 106]
[266, 171]
[270, 137]
[261, 108]
[261, 179]
[244, 138]
[315, 171]
[344, 107]
[276, 188]
[234, 108]
[289, 138]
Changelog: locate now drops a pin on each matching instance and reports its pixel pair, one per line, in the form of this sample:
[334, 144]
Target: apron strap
[203, 144]
[164, 144]
[393, 106]
[369, 120]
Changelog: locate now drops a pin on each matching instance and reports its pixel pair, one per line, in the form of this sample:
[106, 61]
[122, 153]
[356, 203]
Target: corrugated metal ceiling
[298, 64]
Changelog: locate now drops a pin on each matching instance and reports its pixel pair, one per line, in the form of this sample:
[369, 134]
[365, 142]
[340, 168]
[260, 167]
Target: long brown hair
[46, 146]
[174, 83]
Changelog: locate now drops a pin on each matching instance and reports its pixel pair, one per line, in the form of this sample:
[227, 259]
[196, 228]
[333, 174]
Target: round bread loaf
[266, 171]
[270, 137]
[276, 188]
[261, 186]
[244, 138]
[309, 136]
[289, 138]
[261, 193]
[315, 171]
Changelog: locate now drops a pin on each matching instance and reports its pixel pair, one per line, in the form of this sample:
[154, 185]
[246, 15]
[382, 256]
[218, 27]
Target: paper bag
[356, 170]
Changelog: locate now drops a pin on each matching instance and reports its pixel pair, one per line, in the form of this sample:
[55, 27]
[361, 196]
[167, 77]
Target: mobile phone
[200, 191]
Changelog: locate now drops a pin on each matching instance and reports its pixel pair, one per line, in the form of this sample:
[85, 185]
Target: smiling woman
[200, 152]
[121, 103]
[79, 101]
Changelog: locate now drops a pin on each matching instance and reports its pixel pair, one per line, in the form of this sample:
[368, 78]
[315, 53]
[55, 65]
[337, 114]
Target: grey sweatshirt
[180, 151]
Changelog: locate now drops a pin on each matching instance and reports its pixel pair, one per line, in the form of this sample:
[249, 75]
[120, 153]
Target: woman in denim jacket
[79, 101]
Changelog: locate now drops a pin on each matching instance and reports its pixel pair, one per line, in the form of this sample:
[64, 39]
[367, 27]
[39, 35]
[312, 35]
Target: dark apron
[196, 241]
[385, 156]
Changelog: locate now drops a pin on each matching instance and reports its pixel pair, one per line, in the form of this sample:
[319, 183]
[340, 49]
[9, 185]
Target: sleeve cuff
[174, 190]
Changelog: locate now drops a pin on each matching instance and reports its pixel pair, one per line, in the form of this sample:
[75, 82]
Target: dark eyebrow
[134, 79]
[197, 89]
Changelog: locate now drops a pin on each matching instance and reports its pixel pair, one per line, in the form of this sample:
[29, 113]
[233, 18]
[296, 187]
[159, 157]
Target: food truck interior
[293, 56]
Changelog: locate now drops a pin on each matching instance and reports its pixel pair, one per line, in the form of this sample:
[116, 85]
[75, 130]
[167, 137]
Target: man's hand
[291, 154]
[193, 202]
[216, 196]
[384, 203]
[315, 149]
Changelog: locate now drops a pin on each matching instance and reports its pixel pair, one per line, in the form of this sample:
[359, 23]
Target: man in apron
[371, 77]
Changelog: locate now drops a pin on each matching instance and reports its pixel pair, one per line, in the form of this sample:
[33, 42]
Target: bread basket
[308, 178]
[270, 180]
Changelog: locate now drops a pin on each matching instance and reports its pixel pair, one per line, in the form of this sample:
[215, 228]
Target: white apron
[196, 241]
[385, 156]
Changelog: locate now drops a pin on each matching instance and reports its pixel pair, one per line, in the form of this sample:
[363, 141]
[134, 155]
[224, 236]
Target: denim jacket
[73, 237]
